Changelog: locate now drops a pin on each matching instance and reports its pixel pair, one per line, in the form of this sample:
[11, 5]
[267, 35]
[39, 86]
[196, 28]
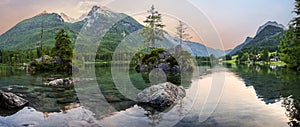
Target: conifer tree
[153, 31]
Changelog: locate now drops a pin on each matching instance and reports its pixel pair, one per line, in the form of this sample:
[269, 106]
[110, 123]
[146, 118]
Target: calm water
[233, 96]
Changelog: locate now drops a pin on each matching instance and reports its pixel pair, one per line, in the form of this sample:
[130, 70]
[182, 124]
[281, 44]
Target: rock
[56, 82]
[163, 95]
[68, 82]
[11, 101]
[170, 60]
[164, 66]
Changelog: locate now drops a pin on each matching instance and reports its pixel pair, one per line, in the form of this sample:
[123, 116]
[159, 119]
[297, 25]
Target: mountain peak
[66, 18]
[270, 23]
[101, 10]
[43, 13]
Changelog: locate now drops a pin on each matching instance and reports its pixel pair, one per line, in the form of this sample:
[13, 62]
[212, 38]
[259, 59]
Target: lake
[222, 96]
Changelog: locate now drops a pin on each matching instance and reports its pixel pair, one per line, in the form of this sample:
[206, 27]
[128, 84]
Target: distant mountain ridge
[268, 36]
[26, 34]
[270, 23]
[239, 47]
[198, 49]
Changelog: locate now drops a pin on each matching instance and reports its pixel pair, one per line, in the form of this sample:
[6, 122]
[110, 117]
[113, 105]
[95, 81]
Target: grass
[279, 63]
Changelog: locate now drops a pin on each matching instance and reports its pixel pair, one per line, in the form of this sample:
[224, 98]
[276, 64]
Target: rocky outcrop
[163, 95]
[170, 60]
[11, 101]
[47, 60]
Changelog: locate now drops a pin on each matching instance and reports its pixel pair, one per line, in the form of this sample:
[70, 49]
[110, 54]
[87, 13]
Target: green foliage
[290, 42]
[27, 34]
[114, 36]
[265, 56]
[172, 61]
[290, 50]
[63, 48]
[244, 57]
[153, 56]
[16, 57]
[153, 31]
[268, 38]
[228, 57]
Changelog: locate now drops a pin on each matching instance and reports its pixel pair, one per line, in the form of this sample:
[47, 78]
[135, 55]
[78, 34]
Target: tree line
[290, 42]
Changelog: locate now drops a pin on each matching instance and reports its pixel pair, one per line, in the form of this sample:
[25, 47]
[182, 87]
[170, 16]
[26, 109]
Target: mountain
[268, 36]
[102, 11]
[270, 23]
[197, 49]
[27, 33]
[239, 47]
[67, 18]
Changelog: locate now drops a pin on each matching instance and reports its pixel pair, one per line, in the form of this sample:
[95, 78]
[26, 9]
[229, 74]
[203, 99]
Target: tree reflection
[273, 85]
[292, 107]
[154, 115]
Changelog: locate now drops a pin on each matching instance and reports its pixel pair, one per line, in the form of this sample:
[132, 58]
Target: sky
[221, 24]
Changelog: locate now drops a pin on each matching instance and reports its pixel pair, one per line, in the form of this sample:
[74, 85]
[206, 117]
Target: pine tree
[182, 32]
[63, 48]
[265, 55]
[290, 42]
[153, 31]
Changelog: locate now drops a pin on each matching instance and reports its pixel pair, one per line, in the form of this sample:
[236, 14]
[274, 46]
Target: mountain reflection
[273, 85]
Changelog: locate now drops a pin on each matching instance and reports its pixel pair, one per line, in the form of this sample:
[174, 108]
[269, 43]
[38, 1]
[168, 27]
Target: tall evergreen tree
[182, 32]
[63, 48]
[153, 31]
[265, 55]
[290, 42]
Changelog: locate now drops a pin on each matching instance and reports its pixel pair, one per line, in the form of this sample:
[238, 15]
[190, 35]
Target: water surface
[251, 96]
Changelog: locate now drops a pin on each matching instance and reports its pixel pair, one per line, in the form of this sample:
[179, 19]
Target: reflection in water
[292, 107]
[30, 87]
[273, 85]
[277, 90]
[154, 117]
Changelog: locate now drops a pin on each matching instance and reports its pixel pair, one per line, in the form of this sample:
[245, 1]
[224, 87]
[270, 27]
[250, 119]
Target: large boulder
[163, 95]
[11, 101]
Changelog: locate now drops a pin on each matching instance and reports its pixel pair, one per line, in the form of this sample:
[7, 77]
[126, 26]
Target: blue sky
[234, 20]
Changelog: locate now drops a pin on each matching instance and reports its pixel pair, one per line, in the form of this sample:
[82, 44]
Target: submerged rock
[73, 116]
[11, 101]
[163, 95]
[68, 82]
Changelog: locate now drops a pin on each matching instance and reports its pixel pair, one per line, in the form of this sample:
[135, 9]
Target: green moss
[172, 61]
[151, 59]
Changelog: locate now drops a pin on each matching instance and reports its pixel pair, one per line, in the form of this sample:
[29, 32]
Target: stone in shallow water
[73, 117]
[11, 101]
[163, 95]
